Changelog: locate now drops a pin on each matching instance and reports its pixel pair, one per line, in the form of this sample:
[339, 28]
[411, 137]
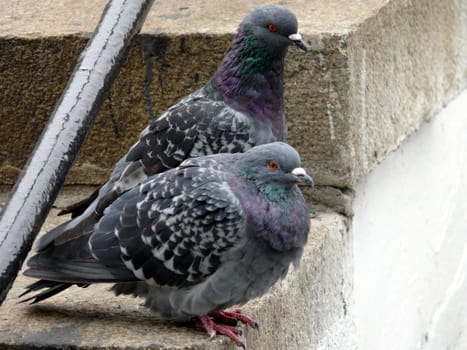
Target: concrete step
[293, 315]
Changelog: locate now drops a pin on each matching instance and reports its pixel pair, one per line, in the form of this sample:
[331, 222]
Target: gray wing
[174, 229]
[197, 125]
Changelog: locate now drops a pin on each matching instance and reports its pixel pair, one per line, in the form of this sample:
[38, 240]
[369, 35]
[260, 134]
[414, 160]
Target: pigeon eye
[273, 165]
[272, 27]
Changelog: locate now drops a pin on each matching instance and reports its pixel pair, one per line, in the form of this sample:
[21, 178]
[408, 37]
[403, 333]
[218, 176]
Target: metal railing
[47, 167]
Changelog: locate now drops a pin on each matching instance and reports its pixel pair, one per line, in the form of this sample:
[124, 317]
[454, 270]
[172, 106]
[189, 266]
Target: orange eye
[272, 27]
[273, 165]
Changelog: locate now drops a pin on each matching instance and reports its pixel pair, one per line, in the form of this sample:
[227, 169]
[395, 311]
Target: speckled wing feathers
[186, 219]
[197, 125]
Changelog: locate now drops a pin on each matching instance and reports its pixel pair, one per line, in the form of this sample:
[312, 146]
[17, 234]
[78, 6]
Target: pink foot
[232, 316]
[213, 328]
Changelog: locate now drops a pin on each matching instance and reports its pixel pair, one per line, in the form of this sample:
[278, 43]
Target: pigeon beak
[303, 177]
[298, 41]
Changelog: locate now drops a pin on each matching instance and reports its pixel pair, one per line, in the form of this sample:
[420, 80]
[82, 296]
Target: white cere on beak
[295, 37]
[302, 177]
[299, 172]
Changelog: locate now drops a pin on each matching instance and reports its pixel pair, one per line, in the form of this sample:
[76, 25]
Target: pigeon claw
[213, 328]
[232, 316]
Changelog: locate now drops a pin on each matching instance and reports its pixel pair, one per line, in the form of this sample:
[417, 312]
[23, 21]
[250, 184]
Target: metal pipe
[64, 134]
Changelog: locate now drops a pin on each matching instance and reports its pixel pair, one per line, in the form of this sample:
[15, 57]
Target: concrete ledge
[375, 73]
[293, 316]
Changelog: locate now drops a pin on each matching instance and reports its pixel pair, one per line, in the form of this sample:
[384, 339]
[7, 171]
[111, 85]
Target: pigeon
[197, 239]
[241, 106]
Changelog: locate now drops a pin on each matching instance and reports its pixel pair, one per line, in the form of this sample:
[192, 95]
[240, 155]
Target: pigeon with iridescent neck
[214, 232]
[241, 106]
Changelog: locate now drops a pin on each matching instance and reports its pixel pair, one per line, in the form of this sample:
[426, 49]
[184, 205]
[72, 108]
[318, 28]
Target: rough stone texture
[405, 64]
[93, 318]
[348, 100]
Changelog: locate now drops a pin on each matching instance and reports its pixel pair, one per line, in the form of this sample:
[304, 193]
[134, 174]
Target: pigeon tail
[51, 288]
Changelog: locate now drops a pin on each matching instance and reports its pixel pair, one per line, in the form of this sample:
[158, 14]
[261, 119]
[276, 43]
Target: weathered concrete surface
[292, 316]
[405, 64]
[376, 71]
[410, 242]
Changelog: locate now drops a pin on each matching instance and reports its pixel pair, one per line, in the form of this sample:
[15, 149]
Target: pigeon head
[263, 38]
[275, 170]
[272, 28]
[250, 76]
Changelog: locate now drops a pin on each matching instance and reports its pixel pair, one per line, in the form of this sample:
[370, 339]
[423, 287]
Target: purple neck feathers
[251, 81]
[283, 227]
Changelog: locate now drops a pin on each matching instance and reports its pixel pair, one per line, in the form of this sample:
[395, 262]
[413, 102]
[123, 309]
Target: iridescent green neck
[255, 59]
[248, 56]
[274, 192]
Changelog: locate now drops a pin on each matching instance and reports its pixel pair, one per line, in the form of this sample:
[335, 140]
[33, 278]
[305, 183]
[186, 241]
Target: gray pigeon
[241, 106]
[214, 232]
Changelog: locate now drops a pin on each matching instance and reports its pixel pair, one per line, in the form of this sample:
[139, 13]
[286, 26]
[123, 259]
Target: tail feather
[68, 231]
[51, 288]
[65, 257]
[76, 209]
